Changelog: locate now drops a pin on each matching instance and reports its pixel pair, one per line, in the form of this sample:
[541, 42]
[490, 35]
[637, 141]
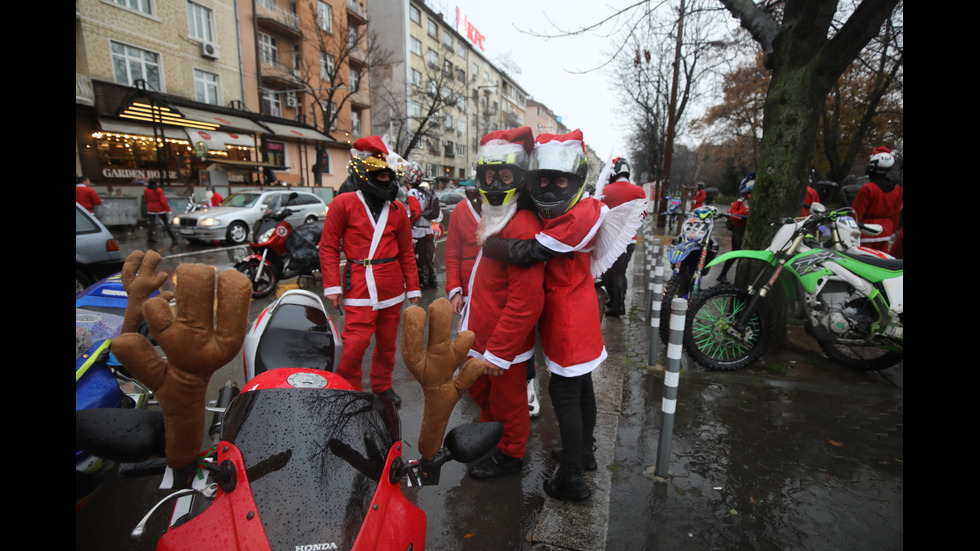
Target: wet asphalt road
[793, 452]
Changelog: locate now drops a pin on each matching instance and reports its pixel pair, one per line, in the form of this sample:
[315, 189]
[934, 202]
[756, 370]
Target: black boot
[588, 458]
[496, 465]
[568, 485]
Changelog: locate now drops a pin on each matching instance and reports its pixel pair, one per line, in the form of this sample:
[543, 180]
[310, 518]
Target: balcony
[275, 75]
[356, 13]
[276, 19]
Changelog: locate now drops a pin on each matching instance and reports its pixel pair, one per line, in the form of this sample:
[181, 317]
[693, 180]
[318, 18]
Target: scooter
[280, 252]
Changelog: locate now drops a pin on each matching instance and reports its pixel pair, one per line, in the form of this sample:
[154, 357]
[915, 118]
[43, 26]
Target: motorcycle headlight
[266, 235]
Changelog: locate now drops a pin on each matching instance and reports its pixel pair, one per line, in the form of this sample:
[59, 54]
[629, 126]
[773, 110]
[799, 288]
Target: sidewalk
[792, 452]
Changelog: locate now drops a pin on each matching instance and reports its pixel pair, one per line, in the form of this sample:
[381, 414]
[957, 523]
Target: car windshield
[242, 200]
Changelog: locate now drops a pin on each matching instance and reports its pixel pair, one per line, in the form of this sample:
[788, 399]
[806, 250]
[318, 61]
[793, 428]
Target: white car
[234, 219]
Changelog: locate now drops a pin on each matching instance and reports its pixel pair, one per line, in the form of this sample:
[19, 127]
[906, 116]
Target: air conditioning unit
[210, 50]
[291, 99]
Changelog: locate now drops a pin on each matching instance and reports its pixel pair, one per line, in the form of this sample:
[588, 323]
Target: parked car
[96, 251]
[234, 219]
[449, 199]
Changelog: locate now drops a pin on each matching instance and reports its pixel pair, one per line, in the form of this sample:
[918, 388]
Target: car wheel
[237, 233]
[310, 219]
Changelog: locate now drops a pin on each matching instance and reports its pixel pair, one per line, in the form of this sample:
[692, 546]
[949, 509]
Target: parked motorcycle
[304, 461]
[853, 303]
[689, 253]
[280, 252]
[674, 211]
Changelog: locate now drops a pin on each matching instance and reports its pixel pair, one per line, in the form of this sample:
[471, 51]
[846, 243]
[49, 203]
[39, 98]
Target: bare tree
[346, 54]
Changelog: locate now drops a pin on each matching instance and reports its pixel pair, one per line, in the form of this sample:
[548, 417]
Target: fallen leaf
[835, 443]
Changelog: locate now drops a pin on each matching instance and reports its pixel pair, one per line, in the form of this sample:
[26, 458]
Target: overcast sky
[584, 101]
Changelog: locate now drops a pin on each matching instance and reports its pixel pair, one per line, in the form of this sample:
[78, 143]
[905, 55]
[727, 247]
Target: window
[447, 69]
[271, 103]
[355, 122]
[414, 109]
[416, 77]
[461, 126]
[461, 49]
[200, 20]
[351, 37]
[433, 88]
[324, 16]
[461, 150]
[433, 58]
[355, 80]
[460, 74]
[475, 71]
[130, 64]
[433, 29]
[448, 148]
[448, 122]
[268, 49]
[275, 153]
[415, 15]
[326, 66]
[206, 87]
[142, 6]
[416, 46]
[447, 41]
[329, 111]
[297, 57]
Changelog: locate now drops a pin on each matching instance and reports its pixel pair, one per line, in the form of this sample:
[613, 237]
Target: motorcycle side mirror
[123, 435]
[472, 441]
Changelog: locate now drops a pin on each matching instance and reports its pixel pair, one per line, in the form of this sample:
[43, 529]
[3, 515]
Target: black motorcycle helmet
[557, 158]
[621, 168]
[501, 164]
[369, 161]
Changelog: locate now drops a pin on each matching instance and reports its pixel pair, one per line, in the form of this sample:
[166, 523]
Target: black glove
[517, 251]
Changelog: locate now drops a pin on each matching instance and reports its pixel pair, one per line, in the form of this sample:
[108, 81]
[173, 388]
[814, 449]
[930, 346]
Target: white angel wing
[603, 178]
[615, 234]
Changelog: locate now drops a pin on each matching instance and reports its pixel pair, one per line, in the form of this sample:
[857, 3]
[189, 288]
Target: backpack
[432, 209]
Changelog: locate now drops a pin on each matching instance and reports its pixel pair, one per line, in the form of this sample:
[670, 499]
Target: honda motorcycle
[689, 253]
[853, 303]
[280, 252]
[303, 462]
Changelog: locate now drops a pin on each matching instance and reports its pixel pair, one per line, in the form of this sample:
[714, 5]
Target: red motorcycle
[280, 252]
[303, 462]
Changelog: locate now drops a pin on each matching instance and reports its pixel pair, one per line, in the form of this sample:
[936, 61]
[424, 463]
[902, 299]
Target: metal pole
[657, 291]
[675, 348]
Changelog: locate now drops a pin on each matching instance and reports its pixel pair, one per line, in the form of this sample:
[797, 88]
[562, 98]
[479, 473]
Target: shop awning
[245, 165]
[289, 131]
[218, 140]
[226, 122]
[140, 129]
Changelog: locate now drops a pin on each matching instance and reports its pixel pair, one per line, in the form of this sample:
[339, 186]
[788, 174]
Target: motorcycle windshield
[313, 458]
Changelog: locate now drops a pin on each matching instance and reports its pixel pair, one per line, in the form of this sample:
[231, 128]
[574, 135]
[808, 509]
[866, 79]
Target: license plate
[186, 231]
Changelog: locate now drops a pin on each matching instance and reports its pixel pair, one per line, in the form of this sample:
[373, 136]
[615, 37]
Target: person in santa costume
[461, 247]
[571, 334]
[879, 201]
[699, 196]
[619, 190]
[418, 201]
[503, 309]
[380, 271]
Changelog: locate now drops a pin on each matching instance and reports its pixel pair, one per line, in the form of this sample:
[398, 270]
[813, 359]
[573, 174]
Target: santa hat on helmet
[510, 147]
[560, 152]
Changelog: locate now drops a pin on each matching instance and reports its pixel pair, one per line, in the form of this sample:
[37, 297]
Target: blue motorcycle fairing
[679, 252]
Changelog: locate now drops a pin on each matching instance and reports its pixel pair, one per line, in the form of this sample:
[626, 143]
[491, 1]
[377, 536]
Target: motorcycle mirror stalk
[465, 443]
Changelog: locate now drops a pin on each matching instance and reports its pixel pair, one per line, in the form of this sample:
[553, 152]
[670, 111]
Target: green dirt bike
[853, 303]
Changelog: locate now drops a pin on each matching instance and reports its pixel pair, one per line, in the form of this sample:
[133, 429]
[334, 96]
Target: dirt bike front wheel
[709, 333]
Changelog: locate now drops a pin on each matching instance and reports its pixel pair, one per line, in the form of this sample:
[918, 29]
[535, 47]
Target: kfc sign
[464, 27]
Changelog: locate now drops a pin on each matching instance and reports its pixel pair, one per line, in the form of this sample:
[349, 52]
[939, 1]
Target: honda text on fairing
[853, 303]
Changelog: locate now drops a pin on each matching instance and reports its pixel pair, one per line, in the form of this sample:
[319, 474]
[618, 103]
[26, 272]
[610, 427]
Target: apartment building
[217, 91]
[439, 95]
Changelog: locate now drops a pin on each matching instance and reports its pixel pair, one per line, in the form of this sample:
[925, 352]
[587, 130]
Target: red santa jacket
[741, 212]
[387, 242]
[698, 200]
[505, 300]
[461, 248]
[811, 197]
[875, 205]
[87, 197]
[156, 200]
[571, 334]
[621, 191]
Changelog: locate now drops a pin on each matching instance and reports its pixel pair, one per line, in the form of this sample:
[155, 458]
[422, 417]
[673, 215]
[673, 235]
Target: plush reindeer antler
[194, 346]
[433, 368]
